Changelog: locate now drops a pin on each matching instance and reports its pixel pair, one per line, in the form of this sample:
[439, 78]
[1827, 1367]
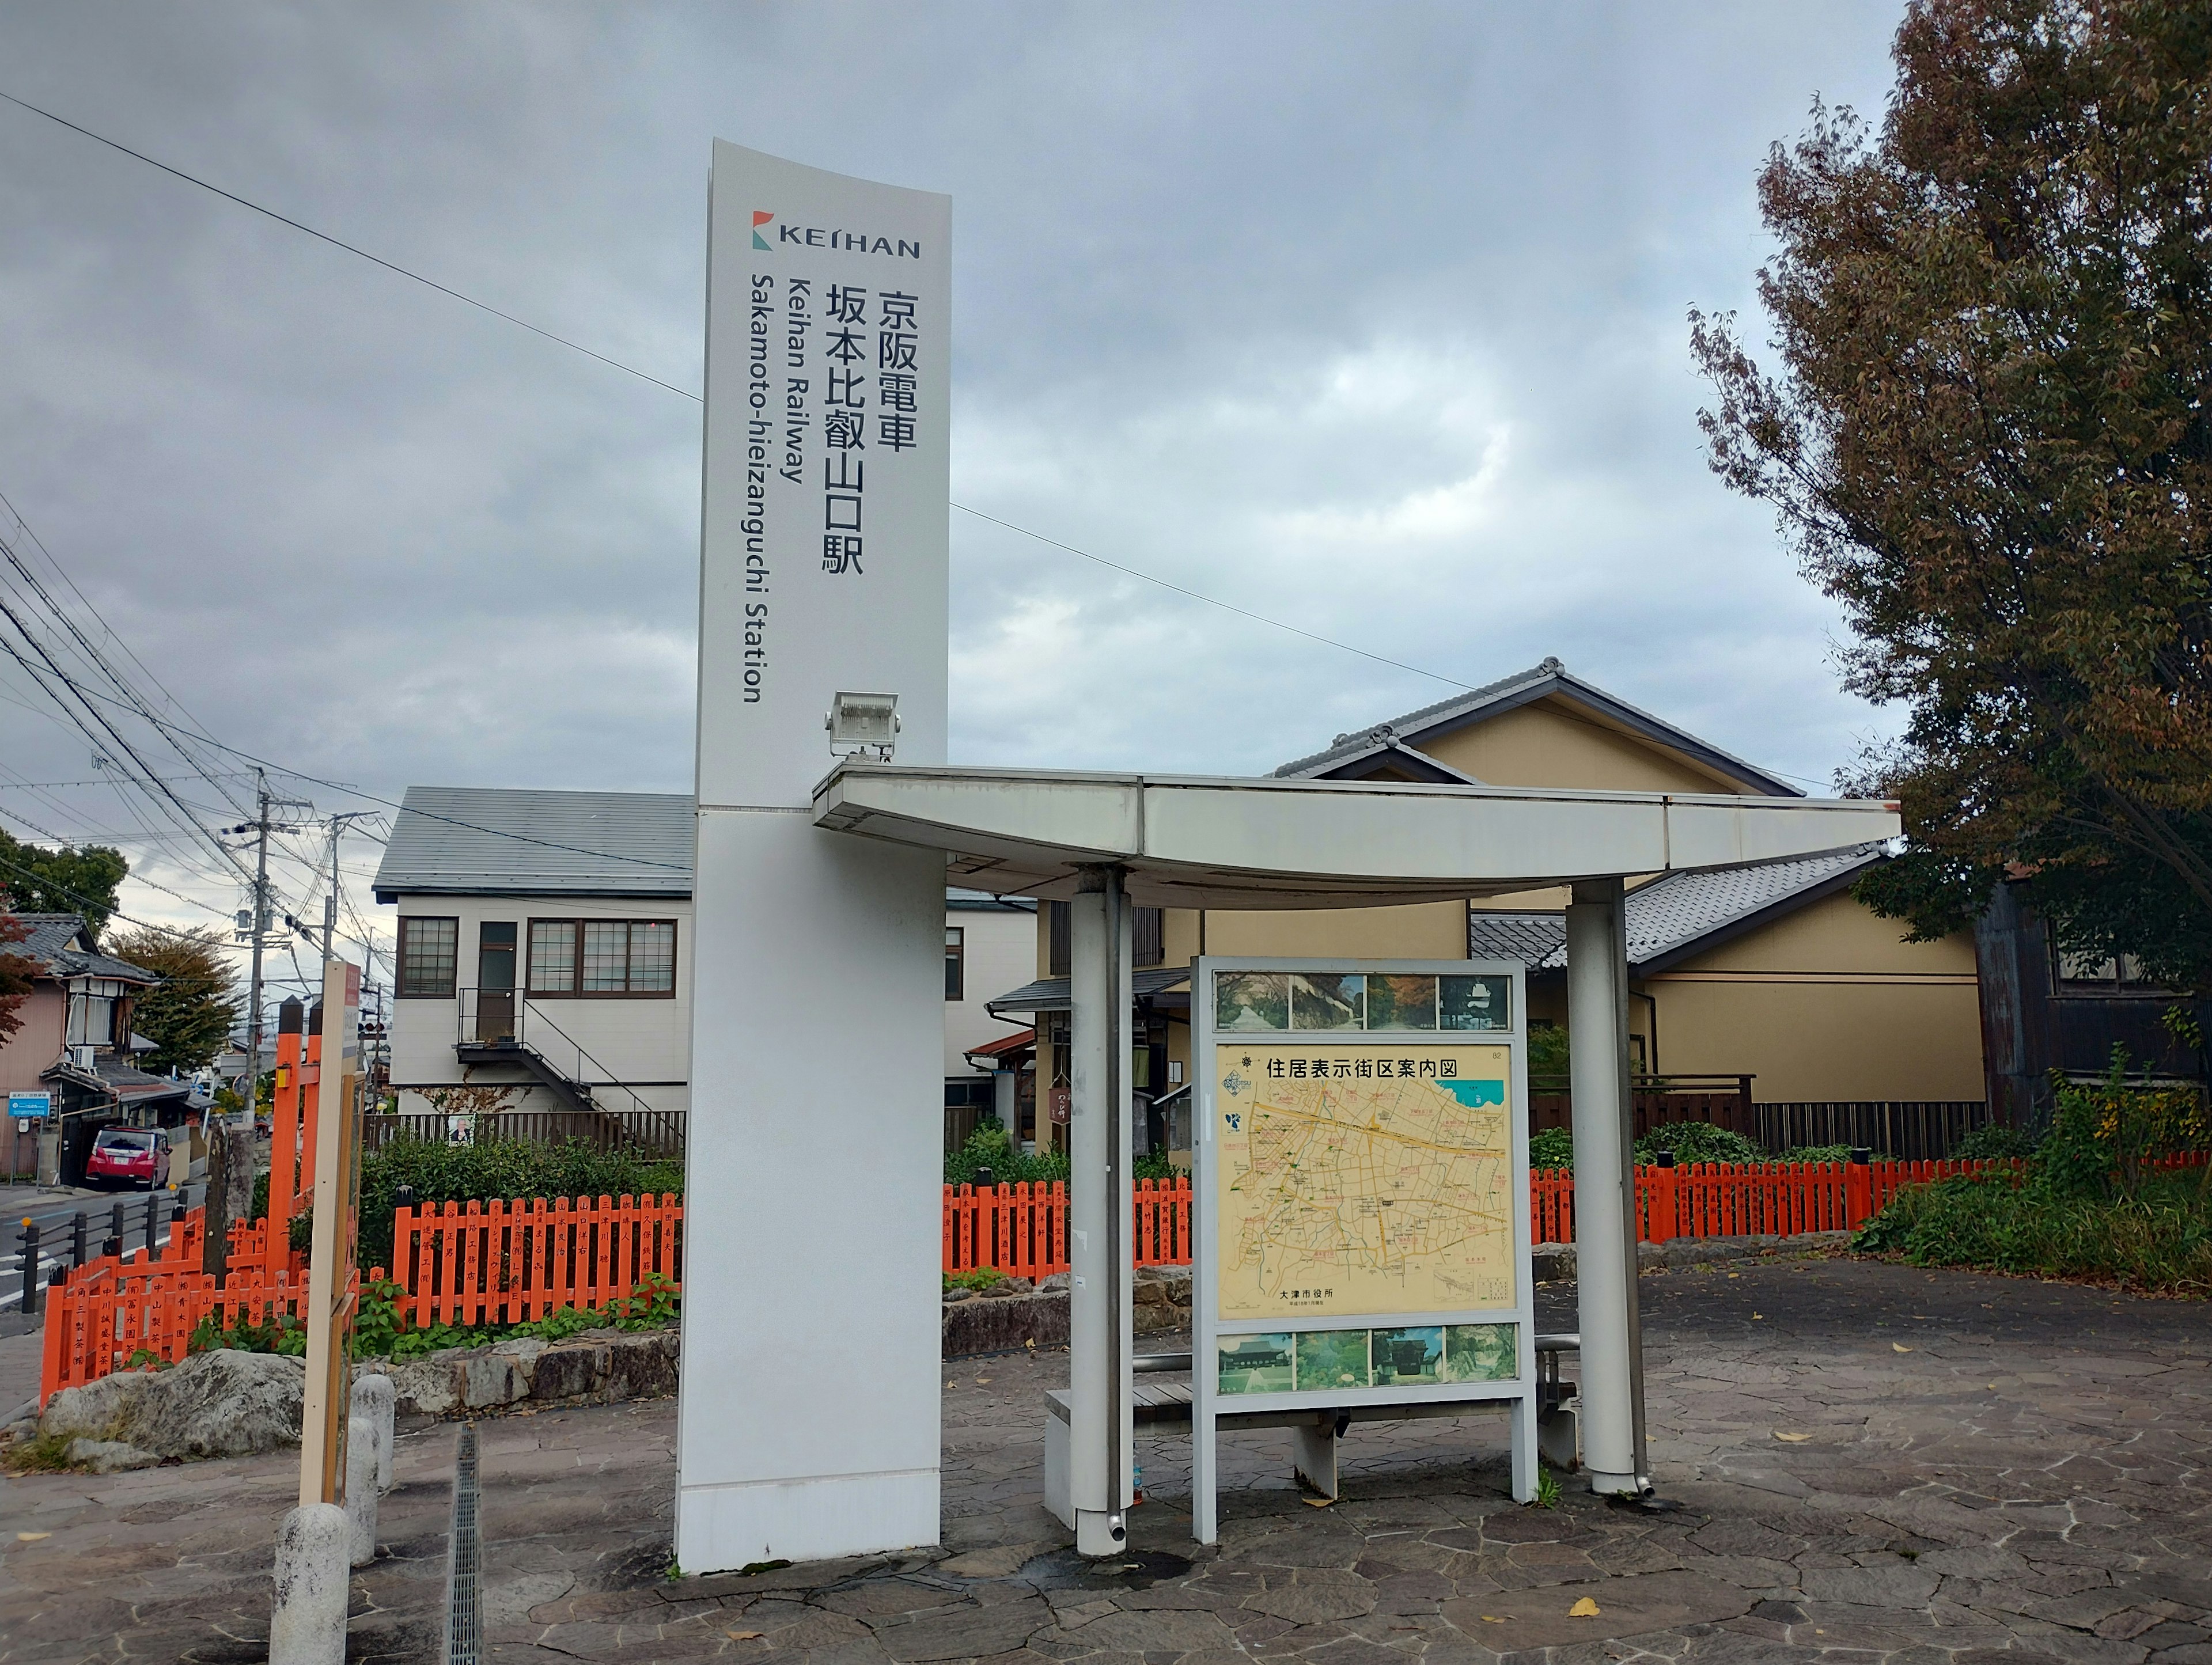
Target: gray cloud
[1369, 318]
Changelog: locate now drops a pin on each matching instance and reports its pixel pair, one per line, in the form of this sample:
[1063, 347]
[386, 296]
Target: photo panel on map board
[1329, 999]
[1251, 1002]
[1332, 1358]
[1407, 1002]
[1475, 1002]
[1254, 1365]
[1407, 1357]
[1480, 1352]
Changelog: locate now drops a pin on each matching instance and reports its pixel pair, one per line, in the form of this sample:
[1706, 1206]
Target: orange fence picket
[98, 1326]
[1021, 1229]
[502, 1262]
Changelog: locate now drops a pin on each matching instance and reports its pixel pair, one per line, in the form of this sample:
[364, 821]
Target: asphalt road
[54, 1216]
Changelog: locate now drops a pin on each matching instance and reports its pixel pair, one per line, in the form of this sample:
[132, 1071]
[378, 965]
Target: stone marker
[376, 1399]
[361, 1489]
[307, 1625]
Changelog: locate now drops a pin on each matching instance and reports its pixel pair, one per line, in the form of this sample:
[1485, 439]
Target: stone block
[108, 1456]
[219, 1404]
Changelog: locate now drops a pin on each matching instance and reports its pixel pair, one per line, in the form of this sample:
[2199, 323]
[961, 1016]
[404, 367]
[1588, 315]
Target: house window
[956, 980]
[2087, 974]
[92, 1021]
[428, 951]
[552, 957]
[602, 957]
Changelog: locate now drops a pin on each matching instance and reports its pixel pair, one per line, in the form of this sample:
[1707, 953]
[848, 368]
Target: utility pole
[256, 915]
[260, 916]
[330, 902]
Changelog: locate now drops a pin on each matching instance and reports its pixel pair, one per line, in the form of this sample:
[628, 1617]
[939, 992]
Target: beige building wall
[1549, 743]
[1825, 1003]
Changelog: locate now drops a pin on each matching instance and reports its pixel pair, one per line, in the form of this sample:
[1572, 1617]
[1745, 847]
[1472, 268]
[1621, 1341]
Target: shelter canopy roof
[1190, 841]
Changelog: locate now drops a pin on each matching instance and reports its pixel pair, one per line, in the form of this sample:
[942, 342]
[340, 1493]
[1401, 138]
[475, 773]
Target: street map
[1359, 1180]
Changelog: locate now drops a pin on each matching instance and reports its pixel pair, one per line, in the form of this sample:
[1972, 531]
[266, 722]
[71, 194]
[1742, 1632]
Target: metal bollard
[30, 1266]
[76, 1239]
[115, 1228]
[153, 1203]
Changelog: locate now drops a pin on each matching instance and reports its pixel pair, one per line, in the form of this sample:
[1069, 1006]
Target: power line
[1149, 578]
[335, 242]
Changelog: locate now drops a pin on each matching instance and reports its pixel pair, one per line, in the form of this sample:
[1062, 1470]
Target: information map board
[1362, 1180]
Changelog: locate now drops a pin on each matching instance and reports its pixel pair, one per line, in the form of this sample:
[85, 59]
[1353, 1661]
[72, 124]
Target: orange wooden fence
[1021, 1229]
[96, 1326]
[510, 1263]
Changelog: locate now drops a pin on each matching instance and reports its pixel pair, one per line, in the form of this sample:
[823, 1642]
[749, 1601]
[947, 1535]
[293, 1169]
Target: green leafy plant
[982, 1277]
[1996, 1142]
[1548, 1048]
[988, 1147]
[1547, 1489]
[1802, 1153]
[1699, 1141]
[1552, 1150]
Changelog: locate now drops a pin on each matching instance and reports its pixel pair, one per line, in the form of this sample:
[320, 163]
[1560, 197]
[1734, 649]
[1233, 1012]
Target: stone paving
[1874, 1464]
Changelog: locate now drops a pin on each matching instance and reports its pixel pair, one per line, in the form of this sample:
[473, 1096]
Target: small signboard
[1363, 1196]
[34, 1106]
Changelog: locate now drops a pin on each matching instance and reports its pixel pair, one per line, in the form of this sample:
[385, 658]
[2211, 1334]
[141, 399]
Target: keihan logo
[760, 220]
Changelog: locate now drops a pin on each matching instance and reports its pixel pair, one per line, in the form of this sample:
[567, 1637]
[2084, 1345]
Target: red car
[127, 1156]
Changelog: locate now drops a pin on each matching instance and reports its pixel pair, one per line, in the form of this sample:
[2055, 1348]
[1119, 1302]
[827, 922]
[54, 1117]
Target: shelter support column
[1099, 1316]
[1604, 1177]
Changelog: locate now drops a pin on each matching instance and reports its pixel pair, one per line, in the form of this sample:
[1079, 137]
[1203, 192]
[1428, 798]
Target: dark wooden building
[2044, 1012]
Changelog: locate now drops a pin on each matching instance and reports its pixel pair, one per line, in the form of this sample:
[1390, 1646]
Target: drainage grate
[465, 1560]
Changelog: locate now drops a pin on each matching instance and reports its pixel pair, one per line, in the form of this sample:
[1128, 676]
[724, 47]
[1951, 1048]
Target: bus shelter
[1108, 842]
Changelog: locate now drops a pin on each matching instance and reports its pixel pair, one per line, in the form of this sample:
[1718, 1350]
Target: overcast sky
[1368, 318]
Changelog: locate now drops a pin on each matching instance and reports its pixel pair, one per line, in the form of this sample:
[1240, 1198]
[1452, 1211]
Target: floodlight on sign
[863, 723]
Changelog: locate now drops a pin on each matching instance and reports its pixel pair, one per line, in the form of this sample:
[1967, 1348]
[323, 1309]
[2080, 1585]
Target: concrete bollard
[375, 1399]
[360, 1488]
[307, 1625]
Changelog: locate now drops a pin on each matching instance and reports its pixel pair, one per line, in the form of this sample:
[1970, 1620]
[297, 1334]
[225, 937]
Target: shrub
[1997, 1142]
[1699, 1141]
[1815, 1153]
[989, 1147]
[2159, 1240]
[505, 1169]
[2092, 1199]
[1553, 1149]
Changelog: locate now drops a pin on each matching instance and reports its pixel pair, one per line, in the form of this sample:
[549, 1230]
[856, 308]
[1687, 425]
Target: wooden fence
[1721, 1101]
[1022, 1230]
[1906, 1130]
[97, 1326]
[496, 1262]
[650, 1134]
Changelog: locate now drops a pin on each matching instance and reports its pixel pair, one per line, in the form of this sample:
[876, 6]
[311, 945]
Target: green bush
[1814, 1153]
[382, 1329]
[2159, 1240]
[2092, 1200]
[1699, 1141]
[1996, 1142]
[989, 1147]
[1553, 1149]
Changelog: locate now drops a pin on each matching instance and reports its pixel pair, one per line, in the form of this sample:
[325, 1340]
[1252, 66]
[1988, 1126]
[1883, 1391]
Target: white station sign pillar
[817, 1025]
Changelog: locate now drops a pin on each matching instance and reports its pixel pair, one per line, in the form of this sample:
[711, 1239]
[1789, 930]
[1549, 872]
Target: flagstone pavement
[1874, 1464]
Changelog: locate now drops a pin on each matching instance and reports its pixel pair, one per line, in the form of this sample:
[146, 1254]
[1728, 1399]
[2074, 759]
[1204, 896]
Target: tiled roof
[482, 840]
[1521, 687]
[1674, 916]
[54, 943]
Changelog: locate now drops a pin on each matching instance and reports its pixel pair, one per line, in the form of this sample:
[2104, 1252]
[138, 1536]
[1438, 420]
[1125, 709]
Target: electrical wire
[1132, 572]
[335, 242]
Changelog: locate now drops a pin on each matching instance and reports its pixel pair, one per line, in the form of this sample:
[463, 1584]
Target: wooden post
[1858, 1189]
[336, 1132]
[1660, 1179]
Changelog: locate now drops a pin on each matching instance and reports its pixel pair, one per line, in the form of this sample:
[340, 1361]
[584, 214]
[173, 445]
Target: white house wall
[641, 1042]
[1001, 956]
